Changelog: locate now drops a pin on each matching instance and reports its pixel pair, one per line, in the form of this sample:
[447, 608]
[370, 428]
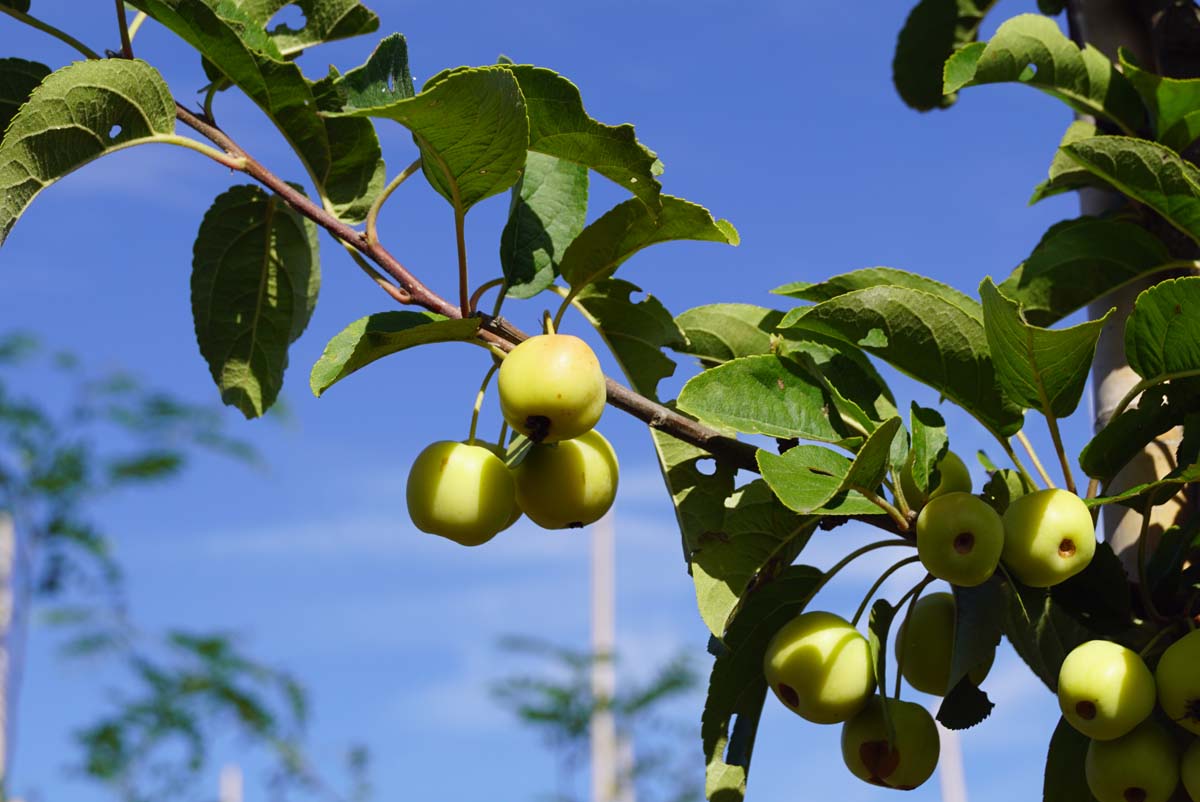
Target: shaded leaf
[1031, 49]
[1148, 173]
[1064, 778]
[78, 114]
[873, 459]
[1162, 335]
[629, 227]
[929, 444]
[879, 624]
[1040, 631]
[879, 277]
[548, 210]
[1099, 595]
[18, 79]
[1174, 103]
[923, 335]
[1079, 261]
[1043, 369]
[636, 332]
[324, 21]
[255, 277]
[376, 336]
[933, 30]
[964, 706]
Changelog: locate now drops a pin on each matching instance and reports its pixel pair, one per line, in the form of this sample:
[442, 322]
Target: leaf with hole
[344, 161]
[324, 21]
[548, 210]
[1030, 49]
[629, 227]
[812, 480]
[255, 277]
[76, 115]
[1079, 261]
[376, 336]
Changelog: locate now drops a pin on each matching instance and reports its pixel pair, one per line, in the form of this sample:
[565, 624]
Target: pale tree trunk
[606, 779]
[7, 553]
[1159, 35]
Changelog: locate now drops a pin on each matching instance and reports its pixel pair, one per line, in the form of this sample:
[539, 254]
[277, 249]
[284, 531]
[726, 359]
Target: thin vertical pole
[606, 781]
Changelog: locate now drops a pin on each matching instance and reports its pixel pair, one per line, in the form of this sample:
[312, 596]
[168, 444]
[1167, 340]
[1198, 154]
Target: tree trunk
[1164, 35]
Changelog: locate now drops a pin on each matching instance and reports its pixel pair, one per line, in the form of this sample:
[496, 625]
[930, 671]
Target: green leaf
[1031, 49]
[548, 210]
[76, 115]
[19, 5]
[927, 337]
[18, 79]
[977, 630]
[343, 160]
[1174, 103]
[636, 332]
[324, 21]
[717, 333]
[857, 389]
[1043, 369]
[1159, 410]
[630, 226]
[376, 336]
[1158, 491]
[1065, 780]
[879, 624]
[763, 395]
[1002, 488]
[1162, 335]
[1065, 175]
[1079, 261]
[758, 539]
[559, 127]
[383, 79]
[471, 127]
[736, 687]
[811, 480]
[873, 459]
[870, 277]
[933, 30]
[929, 444]
[1040, 631]
[1148, 173]
[255, 277]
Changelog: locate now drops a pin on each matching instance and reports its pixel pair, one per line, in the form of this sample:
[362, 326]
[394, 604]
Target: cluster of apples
[819, 665]
[1108, 693]
[552, 391]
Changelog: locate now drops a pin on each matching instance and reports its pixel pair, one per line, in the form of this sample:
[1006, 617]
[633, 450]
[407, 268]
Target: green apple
[819, 665]
[1189, 770]
[953, 477]
[1178, 676]
[461, 492]
[568, 484]
[904, 764]
[1141, 766]
[959, 539]
[551, 388]
[1104, 689]
[925, 646]
[1049, 536]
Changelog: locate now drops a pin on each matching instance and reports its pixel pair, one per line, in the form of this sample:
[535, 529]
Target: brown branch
[496, 331]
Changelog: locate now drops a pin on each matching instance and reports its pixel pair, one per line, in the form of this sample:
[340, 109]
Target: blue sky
[778, 116]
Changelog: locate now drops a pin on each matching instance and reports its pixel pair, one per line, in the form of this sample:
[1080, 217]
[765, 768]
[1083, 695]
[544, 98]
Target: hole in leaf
[114, 132]
[290, 18]
[706, 466]
[1028, 73]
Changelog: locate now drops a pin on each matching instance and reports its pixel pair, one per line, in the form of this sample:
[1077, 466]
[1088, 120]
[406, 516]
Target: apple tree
[787, 401]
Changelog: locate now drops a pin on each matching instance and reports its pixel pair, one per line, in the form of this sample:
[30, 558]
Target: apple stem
[479, 403]
[549, 325]
[911, 596]
[372, 234]
[1162, 633]
[481, 289]
[1030, 484]
[900, 518]
[1064, 460]
[862, 608]
[1037, 463]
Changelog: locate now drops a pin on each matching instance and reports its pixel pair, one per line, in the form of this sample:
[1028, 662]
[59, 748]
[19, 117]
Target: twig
[136, 25]
[46, 27]
[481, 289]
[1037, 463]
[900, 518]
[862, 608]
[915, 593]
[373, 212]
[123, 25]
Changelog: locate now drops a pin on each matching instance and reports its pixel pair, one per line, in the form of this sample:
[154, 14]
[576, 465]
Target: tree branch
[496, 331]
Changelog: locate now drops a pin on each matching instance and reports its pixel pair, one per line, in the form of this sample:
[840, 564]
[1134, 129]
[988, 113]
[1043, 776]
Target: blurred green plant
[99, 436]
[558, 702]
